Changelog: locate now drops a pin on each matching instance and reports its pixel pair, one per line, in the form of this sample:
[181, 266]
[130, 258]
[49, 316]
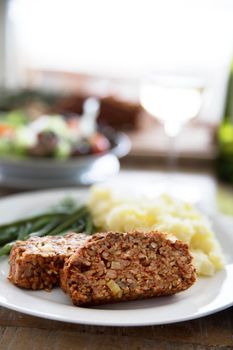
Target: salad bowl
[49, 172]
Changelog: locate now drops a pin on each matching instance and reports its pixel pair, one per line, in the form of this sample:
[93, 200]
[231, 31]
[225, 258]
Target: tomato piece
[73, 123]
[99, 143]
[6, 130]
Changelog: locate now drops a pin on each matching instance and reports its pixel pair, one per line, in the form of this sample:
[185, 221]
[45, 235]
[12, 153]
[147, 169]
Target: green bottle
[225, 137]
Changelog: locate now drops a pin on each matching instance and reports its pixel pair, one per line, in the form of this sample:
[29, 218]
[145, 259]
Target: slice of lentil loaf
[113, 267]
[36, 263]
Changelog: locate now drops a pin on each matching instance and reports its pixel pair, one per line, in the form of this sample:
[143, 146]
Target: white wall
[128, 38]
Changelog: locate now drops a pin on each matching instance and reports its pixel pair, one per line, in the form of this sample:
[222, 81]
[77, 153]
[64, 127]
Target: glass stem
[172, 129]
[172, 154]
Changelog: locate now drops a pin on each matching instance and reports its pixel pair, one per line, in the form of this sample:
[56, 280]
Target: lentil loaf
[36, 263]
[112, 267]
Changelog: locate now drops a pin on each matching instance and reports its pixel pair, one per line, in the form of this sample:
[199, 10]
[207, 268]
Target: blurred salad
[55, 136]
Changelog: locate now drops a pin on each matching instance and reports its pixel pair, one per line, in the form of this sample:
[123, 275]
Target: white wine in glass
[173, 100]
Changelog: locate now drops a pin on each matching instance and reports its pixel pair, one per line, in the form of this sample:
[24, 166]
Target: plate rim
[63, 318]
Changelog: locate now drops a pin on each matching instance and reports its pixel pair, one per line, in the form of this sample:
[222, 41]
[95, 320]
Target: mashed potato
[114, 211]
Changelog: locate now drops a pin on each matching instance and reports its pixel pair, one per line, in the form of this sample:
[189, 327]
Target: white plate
[207, 296]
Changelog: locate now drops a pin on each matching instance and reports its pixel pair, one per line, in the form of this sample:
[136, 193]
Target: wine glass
[174, 100]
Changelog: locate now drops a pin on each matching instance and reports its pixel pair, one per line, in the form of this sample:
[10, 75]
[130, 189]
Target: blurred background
[56, 54]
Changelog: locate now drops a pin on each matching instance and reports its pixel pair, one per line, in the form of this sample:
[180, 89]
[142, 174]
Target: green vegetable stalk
[58, 220]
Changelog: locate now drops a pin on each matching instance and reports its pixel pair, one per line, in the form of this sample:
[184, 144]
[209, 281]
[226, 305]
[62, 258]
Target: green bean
[21, 232]
[45, 230]
[78, 214]
[40, 224]
[78, 228]
[49, 223]
[31, 219]
[9, 235]
[89, 225]
[5, 250]
[24, 231]
[80, 224]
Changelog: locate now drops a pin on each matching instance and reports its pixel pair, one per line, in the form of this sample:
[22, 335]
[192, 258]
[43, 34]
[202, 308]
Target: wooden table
[18, 331]
[22, 332]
